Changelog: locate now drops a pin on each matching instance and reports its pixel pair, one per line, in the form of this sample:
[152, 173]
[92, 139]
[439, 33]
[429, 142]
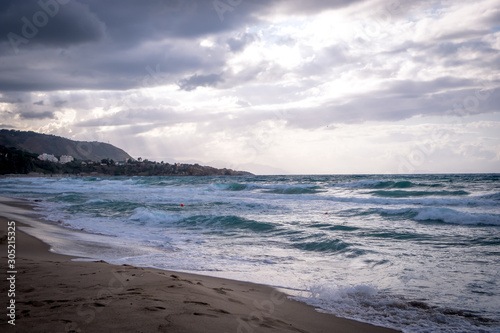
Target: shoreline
[54, 293]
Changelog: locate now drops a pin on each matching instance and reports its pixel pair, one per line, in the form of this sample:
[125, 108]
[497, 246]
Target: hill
[43, 143]
[19, 155]
[15, 161]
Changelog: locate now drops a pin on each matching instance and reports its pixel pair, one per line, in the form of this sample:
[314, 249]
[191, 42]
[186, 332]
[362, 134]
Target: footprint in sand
[222, 290]
[154, 308]
[204, 314]
[220, 311]
[234, 301]
[195, 302]
[34, 303]
[206, 304]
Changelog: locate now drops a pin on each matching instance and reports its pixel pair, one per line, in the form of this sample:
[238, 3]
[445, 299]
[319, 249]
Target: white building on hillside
[48, 157]
[66, 159]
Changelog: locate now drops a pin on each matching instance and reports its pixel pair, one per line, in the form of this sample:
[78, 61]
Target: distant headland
[36, 154]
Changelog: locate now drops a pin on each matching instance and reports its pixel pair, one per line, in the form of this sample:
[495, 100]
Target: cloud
[37, 115]
[58, 104]
[49, 23]
[309, 7]
[134, 116]
[443, 96]
[108, 45]
[279, 75]
[176, 19]
[107, 66]
[196, 81]
[239, 43]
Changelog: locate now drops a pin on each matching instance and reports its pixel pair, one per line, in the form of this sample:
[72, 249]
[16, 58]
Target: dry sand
[55, 294]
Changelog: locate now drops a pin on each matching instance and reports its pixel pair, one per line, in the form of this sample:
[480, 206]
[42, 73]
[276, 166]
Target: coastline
[54, 293]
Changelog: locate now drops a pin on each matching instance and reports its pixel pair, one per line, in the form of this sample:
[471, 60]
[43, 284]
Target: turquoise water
[419, 253]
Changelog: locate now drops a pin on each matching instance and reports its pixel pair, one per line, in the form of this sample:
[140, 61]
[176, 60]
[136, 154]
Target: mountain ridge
[19, 151]
[39, 143]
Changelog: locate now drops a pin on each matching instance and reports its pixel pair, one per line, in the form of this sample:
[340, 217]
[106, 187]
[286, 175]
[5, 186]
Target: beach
[54, 293]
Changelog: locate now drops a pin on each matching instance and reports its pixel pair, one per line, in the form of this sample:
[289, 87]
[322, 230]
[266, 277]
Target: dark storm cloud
[49, 23]
[37, 115]
[110, 70]
[44, 80]
[127, 23]
[127, 44]
[131, 22]
[109, 44]
[103, 45]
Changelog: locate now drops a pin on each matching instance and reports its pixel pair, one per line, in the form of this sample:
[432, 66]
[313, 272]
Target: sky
[266, 86]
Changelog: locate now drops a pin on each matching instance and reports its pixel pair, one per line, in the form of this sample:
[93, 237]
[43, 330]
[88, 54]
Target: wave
[448, 215]
[362, 302]
[327, 226]
[295, 190]
[144, 215]
[230, 187]
[411, 236]
[330, 246]
[427, 214]
[408, 194]
[274, 189]
[95, 201]
[229, 222]
[404, 184]
[71, 198]
[493, 196]
[439, 201]
[385, 184]
[334, 245]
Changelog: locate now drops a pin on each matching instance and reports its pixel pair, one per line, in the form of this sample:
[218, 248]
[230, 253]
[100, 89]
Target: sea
[418, 253]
